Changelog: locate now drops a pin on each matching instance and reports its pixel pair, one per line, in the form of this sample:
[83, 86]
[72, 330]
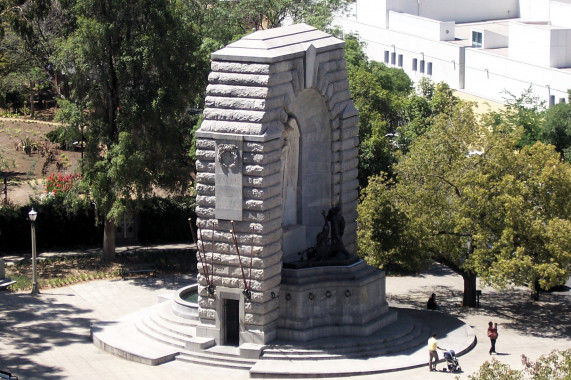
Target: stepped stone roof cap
[273, 45]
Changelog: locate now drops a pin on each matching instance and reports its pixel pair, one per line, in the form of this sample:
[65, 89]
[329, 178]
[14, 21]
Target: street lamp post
[35, 290]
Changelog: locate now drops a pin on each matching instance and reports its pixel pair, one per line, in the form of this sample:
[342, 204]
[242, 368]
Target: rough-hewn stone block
[262, 159]
[204, 189]
[265, 193]
[239, 67]
[205, 155]
[205, 166]
[236, 91]
[261, 205]
[266, 147]
[235, 103]
[265, 170]
[267, 181]
[206, 177]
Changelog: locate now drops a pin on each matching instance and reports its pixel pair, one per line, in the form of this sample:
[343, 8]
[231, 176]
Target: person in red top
[493, 335]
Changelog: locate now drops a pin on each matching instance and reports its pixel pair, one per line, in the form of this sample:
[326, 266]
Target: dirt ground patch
[32, 158]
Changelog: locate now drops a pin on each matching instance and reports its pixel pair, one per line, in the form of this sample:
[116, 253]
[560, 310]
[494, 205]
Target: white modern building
[480, 47]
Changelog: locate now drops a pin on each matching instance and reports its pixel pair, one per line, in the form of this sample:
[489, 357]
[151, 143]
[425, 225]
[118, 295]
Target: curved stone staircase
[159, 334]
[403, 335]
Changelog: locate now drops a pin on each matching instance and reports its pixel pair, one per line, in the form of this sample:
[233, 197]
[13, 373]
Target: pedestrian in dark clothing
[431, 304]
[493, 335]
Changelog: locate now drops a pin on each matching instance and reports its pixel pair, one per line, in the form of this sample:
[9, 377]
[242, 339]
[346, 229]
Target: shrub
[64, 137]
[57, 226]
[59, 184]
[555, 366]
[494, 370]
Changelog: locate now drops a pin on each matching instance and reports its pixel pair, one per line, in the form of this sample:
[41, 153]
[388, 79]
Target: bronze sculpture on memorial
[329, 248]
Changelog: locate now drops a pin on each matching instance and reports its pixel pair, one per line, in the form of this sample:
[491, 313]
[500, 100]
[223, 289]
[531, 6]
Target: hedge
[159, 220]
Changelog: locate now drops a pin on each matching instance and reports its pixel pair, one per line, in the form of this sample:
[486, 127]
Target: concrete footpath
[47, 337]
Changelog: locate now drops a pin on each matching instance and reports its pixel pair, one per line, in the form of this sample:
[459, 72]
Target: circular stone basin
[188, 294]
[185, 303]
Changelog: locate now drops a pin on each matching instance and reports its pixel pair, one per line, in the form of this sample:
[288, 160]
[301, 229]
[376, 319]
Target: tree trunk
[108, 240]
[32, 101]
[535, 290]
[469, 289]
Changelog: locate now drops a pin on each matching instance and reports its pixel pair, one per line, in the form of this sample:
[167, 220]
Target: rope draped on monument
[247, 290]
[208, 274]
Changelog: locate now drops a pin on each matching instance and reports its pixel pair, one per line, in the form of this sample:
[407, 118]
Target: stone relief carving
[228, 155]
[290, 166]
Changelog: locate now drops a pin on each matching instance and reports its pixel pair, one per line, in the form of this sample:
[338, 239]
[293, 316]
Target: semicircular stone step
[399, 336]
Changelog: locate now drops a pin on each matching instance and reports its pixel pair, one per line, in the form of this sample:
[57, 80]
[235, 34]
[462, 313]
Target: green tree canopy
[31, 30]
[557, 128]
[379, 93]
[226, 21]
[477, 204]
[524, 111]
[421, 107]
[136, 68]
[526, 235]
[385, 227]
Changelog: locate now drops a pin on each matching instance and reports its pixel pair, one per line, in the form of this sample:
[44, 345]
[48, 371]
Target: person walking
[493, 335]
[432, 353]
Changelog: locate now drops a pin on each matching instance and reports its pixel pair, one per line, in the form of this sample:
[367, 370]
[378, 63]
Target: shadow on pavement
[32, 325]
[172, 282]
[546, 318]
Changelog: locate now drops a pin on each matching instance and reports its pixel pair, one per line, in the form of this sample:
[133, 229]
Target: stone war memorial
[277, 164]
[277, 192]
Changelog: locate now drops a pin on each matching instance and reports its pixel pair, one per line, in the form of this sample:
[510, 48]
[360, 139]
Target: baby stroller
[451, 361]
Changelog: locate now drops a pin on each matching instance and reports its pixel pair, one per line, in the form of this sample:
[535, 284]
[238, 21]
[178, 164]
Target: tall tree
[31, 30]
[267, 14]
[136, 65]
[434, 189]
[379, 93]
[21, 74]
[525, 237]
[477, 204]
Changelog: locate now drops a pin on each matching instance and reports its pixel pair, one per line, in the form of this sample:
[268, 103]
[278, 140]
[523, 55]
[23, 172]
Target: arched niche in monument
[310, 124]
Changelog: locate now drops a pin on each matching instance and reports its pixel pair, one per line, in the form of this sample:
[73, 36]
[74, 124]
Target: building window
[386, 56]
[429, 68]
[414, 63]
[561, 100]
[393, 58]
[422, 66]
[400, 60]
[476, 39]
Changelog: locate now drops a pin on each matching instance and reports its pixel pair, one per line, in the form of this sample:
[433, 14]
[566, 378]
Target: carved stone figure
[290, 163]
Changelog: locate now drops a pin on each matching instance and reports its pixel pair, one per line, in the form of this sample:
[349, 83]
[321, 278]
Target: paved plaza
[47, 337]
